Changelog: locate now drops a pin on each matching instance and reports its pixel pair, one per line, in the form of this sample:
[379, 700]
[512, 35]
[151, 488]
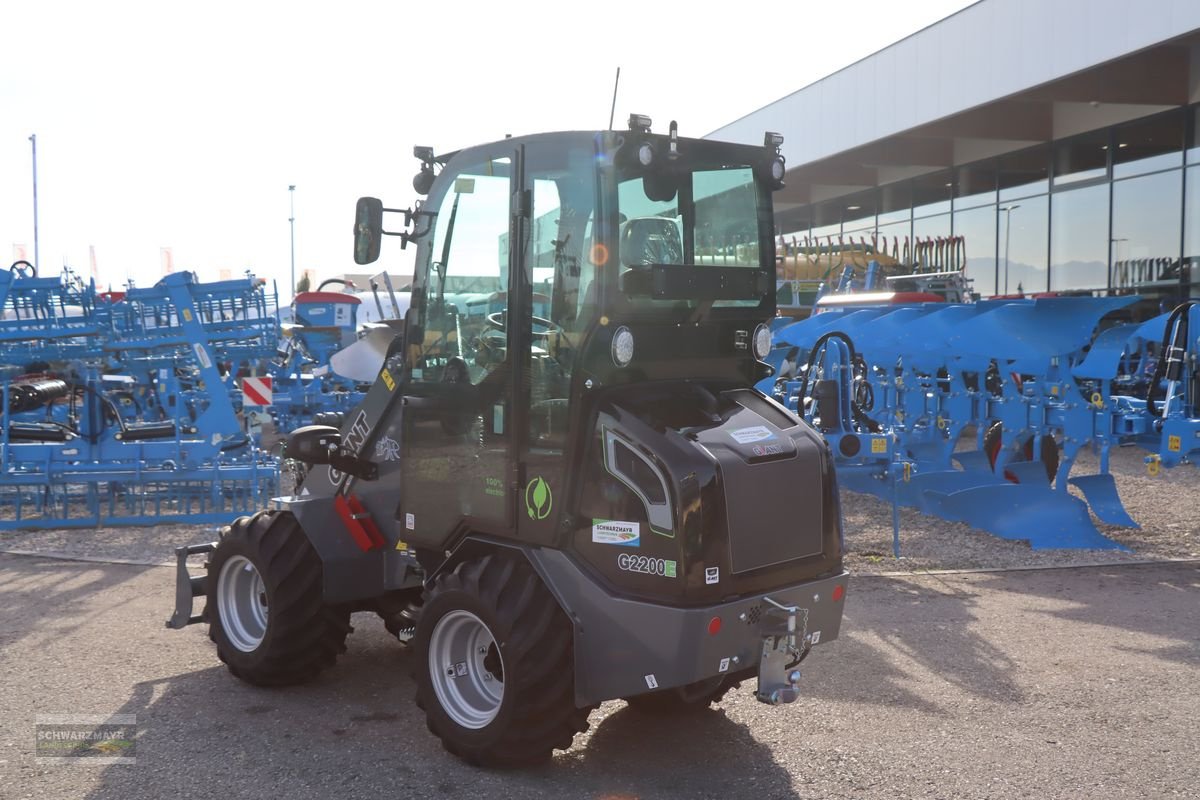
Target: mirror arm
[353, 465]
[410, 215]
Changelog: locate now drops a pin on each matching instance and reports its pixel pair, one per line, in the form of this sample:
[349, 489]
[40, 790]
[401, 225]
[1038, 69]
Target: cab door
[457, 461]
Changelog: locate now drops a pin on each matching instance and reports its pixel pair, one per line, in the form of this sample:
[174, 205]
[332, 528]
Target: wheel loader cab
[544, 261]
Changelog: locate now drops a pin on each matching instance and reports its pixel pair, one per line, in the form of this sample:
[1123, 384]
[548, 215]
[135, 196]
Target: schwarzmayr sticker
[757, 433]
[611, 531]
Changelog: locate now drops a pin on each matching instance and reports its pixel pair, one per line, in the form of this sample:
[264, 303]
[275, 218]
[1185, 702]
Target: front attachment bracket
[785, 643]
[187, 586]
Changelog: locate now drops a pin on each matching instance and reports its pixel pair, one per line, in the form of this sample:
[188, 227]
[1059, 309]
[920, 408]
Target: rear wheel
[494, 668]
[265, 611]
[683, 699]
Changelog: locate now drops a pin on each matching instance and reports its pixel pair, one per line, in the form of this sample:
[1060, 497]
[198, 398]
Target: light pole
[1007, 235]
[292, 225]
[36, 260]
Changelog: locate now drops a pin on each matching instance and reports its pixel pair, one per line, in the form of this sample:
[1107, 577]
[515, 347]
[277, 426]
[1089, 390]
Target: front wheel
[494, 667]
[265, 610]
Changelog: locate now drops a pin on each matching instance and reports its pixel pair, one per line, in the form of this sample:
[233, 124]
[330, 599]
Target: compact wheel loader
[562, 488]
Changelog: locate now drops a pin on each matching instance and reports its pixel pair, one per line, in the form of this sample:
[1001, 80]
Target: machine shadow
[52, 599]
[900, 636]
[1144, 599]
[633, 754]
[355, 731]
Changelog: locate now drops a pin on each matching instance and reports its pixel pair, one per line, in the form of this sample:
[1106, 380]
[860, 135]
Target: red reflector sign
[256, 391]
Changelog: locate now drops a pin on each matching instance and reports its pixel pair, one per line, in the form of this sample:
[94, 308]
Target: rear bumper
[628, 647]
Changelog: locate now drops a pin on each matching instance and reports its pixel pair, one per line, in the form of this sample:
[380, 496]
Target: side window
[466, 278]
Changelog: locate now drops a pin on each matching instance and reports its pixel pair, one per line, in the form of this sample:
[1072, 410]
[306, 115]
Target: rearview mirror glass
[368, 229]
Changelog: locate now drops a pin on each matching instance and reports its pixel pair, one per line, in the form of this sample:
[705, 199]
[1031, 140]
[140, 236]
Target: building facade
[1054, 146]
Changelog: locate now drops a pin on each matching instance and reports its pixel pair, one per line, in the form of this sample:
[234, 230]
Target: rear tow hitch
[785, 643]
[187, 586]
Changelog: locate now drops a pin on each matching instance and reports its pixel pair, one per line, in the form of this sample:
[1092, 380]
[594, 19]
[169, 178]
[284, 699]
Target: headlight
[762, 342]
[646, 155]
[622, 347]
[777, 170]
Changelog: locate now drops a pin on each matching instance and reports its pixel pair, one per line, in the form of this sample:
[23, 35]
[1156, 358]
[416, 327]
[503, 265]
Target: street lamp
[292, 225]
[1007, 235]
[36, 259]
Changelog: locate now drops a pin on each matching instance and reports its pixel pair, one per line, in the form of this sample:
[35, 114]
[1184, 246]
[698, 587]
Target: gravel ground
[1163, 505]
[1039, 684]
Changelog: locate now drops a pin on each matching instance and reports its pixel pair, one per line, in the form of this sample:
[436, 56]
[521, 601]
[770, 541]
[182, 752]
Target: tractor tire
[992, 445]
[265, 611]
[687, 699]
[494, 665]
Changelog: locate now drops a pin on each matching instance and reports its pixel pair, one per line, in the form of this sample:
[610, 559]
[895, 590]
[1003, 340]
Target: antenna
[613, 112]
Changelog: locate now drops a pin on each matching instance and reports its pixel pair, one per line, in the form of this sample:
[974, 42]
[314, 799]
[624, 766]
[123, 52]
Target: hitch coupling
[785, 643]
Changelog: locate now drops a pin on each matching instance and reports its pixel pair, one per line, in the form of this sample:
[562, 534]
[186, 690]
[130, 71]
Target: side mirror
[368, 230]
[314, 444]
[650, 240]
[322, 444]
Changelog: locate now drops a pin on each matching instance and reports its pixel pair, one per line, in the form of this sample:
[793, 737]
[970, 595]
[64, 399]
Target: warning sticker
[758, 433]
[611, 531]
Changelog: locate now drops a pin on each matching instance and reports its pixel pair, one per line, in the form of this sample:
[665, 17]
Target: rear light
[839, 592]
[714, 626]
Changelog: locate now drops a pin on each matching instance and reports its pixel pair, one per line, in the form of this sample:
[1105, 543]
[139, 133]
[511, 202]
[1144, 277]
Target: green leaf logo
[538, 499]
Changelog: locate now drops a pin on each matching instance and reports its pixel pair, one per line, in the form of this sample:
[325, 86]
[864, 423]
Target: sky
[180, 126]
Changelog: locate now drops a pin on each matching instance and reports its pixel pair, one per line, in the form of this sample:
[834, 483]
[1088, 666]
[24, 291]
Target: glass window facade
[1024, 244]
[1081, 158]
[1148, 145]
[1079, 239]
[1145, 231]
[1113, 210]
[1191, 233]
[977, 226]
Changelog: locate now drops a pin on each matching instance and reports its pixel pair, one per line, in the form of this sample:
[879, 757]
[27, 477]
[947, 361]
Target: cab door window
[466, 278]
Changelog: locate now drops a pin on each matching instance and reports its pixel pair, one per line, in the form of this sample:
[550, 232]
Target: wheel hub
[242, 603]
[466, 669]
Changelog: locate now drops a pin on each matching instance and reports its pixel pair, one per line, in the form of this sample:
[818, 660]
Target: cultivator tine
[1101, 494]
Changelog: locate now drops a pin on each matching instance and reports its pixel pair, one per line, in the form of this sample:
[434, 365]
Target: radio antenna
[613, 112]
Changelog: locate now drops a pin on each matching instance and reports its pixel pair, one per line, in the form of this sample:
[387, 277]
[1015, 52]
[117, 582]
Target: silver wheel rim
[466, 669]
[242, 603]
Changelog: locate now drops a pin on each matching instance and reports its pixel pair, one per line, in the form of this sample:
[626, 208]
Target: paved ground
[1074, 683]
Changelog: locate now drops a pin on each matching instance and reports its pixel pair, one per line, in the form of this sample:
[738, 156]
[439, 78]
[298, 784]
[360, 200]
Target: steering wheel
[23, 269]
[496, 321]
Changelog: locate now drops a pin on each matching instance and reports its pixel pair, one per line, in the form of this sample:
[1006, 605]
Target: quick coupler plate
[187, 586]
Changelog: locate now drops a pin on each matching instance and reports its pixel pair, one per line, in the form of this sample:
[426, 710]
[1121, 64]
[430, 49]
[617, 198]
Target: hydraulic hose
[1172, 353]
[856, 411]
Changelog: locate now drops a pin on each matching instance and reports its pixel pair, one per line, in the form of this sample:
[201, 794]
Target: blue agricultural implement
[303, 381]
[977, 412]
[119, 408]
